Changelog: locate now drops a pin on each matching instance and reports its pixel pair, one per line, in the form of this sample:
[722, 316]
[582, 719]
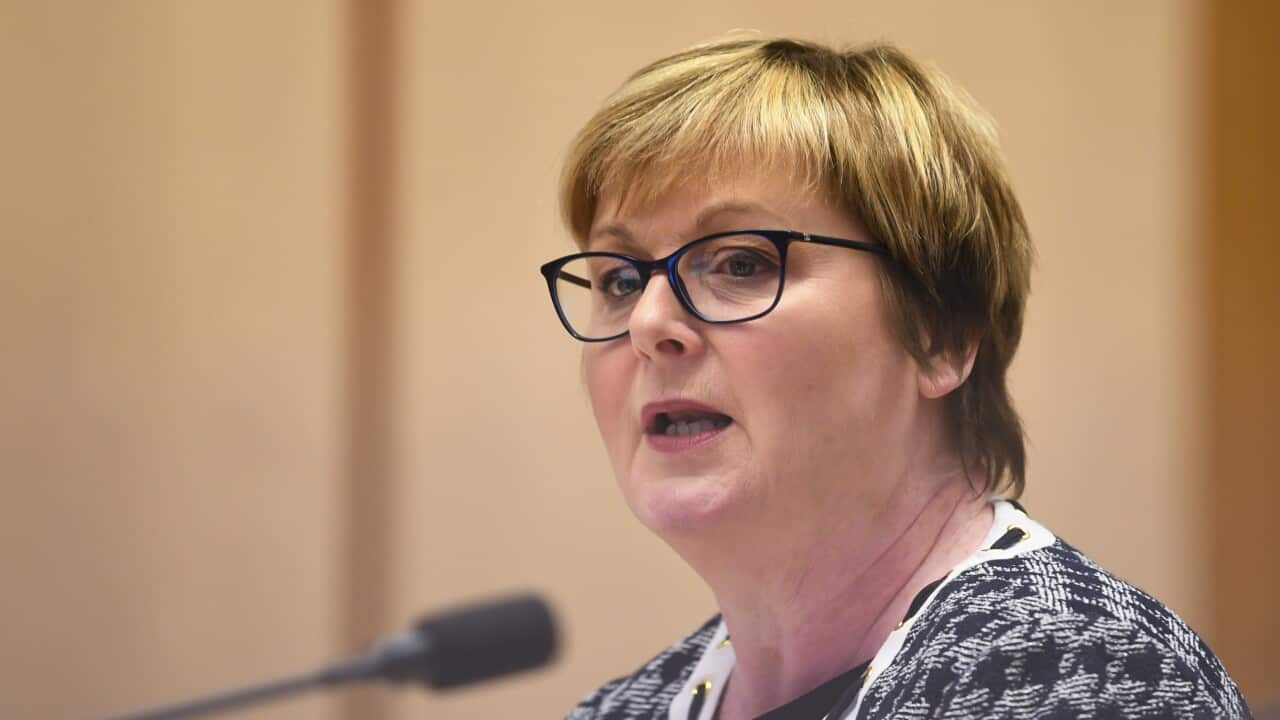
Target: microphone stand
[361, 668]
[459, 647]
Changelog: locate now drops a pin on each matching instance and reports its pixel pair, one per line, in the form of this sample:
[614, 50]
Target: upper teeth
[690, 428]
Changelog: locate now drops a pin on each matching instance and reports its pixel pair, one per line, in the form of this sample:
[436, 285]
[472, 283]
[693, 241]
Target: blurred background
[278, 372]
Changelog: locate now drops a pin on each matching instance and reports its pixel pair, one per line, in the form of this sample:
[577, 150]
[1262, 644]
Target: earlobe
[943, 372]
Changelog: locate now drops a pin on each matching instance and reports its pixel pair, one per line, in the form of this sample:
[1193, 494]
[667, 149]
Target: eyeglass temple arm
[851, 244]
[574, 279]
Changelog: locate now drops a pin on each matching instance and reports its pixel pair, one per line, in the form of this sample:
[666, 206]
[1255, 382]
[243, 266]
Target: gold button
[724, 643]
[1025, 534]
[702, 688]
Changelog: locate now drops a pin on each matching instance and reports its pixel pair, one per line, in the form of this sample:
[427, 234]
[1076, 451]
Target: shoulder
[1068, 596]
[647, 692]
[1051, 629]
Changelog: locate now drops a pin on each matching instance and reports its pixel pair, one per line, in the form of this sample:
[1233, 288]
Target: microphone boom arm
[450, 649]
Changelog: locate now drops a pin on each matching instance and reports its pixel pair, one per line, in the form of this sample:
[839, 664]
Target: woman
[802, 282]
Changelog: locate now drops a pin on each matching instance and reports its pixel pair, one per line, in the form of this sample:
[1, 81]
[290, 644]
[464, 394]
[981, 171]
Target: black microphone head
[486, 640]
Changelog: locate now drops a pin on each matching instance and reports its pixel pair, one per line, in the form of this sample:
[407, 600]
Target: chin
[675, 506]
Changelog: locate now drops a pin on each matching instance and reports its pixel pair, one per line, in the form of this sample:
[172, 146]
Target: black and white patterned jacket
[1028, 627]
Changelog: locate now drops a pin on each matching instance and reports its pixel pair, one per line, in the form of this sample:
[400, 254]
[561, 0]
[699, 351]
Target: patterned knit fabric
[648, 692]
[1046, 635]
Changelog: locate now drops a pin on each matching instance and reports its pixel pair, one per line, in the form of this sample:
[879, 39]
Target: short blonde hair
[895, 142]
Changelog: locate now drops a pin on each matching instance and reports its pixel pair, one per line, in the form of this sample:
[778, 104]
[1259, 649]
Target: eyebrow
[704, 220]
[707, 217]
[625, 242]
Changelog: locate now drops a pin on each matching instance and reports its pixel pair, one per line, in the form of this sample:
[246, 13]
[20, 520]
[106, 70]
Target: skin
[835, 495]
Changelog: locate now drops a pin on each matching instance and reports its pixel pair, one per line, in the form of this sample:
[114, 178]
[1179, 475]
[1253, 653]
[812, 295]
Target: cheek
[605, 374]
[836, 386]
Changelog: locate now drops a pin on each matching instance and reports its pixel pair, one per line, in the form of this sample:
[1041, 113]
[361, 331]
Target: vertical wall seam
[1245, 341]
[367, 538]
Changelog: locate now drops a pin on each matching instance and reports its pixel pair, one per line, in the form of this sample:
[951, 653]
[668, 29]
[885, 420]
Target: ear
[944, 372]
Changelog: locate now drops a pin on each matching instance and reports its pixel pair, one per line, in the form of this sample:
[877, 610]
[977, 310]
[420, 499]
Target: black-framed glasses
[726, 277]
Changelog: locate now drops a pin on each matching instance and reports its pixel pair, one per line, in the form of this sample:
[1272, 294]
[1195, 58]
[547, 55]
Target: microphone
[457, 647]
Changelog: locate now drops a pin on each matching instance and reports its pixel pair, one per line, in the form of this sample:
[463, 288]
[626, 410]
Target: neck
[804, 611]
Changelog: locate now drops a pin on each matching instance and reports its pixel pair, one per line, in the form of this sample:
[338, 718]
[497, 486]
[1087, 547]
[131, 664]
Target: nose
[660, 326]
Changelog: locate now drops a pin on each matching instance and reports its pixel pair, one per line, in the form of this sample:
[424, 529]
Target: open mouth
[690, 422]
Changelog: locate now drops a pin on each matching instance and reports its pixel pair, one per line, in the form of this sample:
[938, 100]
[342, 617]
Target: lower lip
[678, 443]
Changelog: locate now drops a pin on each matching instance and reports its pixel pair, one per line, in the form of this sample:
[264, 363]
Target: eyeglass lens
[725, 279]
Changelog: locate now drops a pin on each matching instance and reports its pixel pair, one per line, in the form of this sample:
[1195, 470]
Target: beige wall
[171, 199]
[174, 416]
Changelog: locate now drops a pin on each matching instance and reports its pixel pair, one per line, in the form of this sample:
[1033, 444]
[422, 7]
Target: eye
[741, 262]
[742, 265]
[619, 282]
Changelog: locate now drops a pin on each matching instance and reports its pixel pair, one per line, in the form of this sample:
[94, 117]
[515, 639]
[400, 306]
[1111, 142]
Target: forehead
[687, 210]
